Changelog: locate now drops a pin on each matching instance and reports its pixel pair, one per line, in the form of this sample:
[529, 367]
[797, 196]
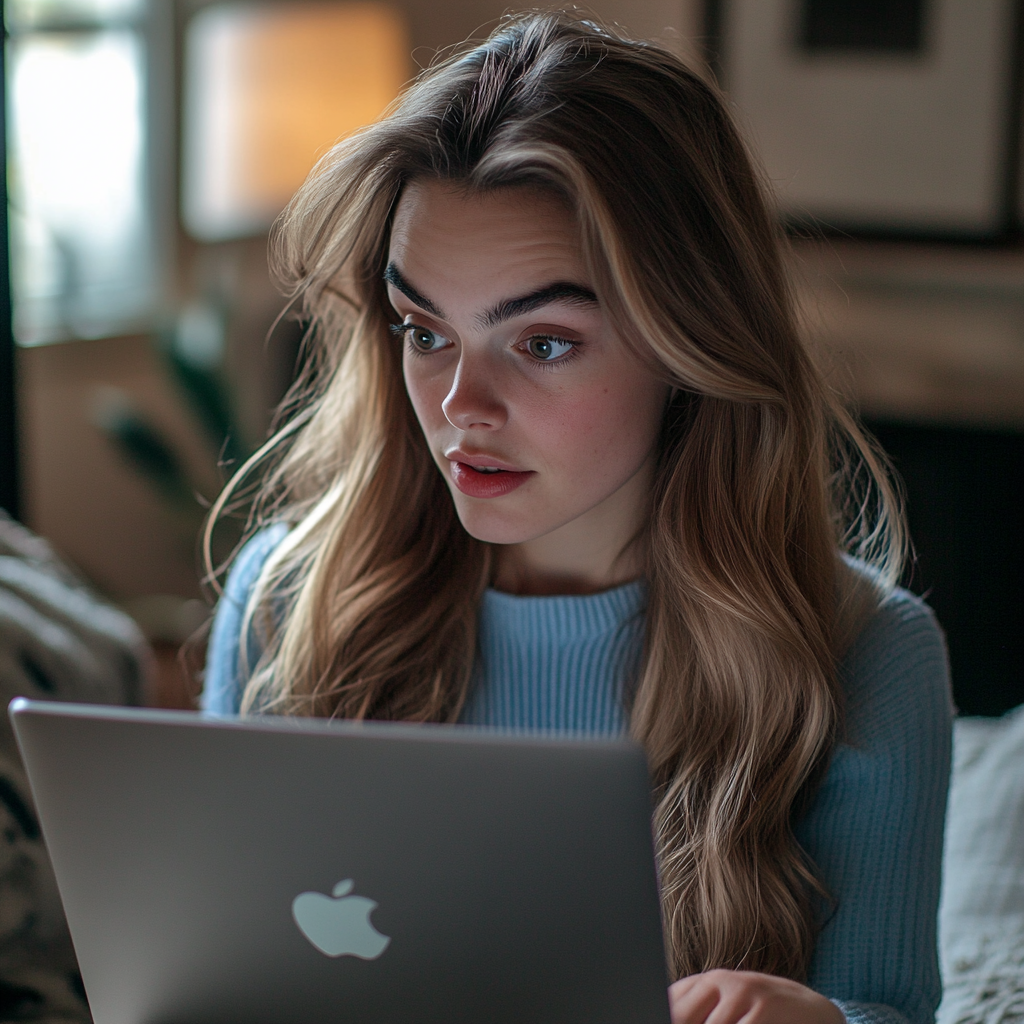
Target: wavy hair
[368, 608]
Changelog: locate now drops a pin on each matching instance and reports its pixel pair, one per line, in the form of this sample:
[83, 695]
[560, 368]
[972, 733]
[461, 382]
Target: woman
[559, 460]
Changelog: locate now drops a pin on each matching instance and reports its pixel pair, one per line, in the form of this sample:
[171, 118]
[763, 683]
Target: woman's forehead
[435, 213]
[445, 239]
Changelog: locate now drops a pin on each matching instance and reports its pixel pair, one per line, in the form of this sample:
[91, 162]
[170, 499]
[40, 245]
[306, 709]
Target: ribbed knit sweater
[874, 829]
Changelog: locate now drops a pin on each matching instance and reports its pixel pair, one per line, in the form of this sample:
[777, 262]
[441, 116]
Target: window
[82, 225]
[267, 89]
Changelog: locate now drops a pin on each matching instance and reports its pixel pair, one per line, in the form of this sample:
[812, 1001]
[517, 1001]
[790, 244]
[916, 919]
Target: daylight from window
[81, 239]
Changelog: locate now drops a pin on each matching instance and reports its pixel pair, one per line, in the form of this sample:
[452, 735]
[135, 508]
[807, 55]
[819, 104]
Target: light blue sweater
[875, 827]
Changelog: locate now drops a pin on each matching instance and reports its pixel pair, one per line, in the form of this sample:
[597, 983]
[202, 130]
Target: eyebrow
[508, 309]
[394, 277]
[560, 291]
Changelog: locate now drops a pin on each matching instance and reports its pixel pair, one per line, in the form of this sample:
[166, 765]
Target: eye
[421, 339]
[548, 349]
[424, 340]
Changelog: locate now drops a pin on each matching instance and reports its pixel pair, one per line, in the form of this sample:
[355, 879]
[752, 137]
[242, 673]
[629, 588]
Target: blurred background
[151, 143]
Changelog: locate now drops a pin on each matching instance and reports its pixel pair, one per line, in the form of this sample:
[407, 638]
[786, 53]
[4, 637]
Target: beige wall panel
[80, 495]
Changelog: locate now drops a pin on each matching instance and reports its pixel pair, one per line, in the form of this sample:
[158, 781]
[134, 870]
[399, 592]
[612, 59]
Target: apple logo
[339, 925]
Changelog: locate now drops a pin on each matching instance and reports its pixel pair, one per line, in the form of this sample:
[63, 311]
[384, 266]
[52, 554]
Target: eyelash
[402, 331]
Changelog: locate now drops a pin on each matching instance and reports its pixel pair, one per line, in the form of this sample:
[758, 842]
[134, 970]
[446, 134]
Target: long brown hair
[368, 608]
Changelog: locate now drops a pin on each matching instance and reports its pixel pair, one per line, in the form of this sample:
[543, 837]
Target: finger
[695, 1004]
[683, 985]
[732, 1008]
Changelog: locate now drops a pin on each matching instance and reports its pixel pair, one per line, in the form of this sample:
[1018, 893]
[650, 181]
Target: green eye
[547, 350]
[422, 338]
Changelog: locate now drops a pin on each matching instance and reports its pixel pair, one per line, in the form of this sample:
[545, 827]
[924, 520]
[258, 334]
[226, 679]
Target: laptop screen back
[274, 870]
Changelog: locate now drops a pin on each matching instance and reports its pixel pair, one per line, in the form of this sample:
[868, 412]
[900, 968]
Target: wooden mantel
[924, 333]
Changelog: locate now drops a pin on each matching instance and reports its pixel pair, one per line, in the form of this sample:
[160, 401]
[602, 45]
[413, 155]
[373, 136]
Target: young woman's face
[541, 420]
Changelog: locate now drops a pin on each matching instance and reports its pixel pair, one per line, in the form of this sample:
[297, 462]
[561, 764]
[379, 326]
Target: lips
[483, 479]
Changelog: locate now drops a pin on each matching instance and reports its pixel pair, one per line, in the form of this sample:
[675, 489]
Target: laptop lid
[271, 870]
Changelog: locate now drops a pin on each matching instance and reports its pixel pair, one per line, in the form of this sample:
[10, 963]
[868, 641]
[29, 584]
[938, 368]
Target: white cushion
[981, 919]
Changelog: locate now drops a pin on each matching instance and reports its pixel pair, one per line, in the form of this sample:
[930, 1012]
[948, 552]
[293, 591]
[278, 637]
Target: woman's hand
[728, 997]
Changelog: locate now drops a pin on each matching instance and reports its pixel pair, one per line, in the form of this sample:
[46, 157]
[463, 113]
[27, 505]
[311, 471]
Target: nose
[475, 396]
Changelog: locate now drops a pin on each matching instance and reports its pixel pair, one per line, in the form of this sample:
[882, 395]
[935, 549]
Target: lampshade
[269, 88]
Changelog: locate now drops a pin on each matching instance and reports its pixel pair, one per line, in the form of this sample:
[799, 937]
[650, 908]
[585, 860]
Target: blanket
[58, 641]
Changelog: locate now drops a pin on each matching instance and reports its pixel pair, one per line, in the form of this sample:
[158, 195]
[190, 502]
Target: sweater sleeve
[222, 680]
[875, 827]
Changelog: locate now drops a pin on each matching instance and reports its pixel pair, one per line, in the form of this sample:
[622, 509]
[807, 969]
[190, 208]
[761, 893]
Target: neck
[520, 575]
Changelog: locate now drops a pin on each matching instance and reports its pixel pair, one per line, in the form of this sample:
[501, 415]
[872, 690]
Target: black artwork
[862, 26]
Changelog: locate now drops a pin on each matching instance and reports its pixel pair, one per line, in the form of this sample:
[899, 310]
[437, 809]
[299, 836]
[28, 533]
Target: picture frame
[880, 117]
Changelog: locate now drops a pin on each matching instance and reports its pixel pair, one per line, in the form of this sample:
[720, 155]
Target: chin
[491, 528]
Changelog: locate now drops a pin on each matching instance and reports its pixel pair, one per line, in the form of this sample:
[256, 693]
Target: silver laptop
[273, 871]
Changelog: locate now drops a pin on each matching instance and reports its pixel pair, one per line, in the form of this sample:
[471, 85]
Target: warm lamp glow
[269, 90]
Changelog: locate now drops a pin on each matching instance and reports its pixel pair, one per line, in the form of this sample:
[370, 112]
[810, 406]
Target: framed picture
[897, 117]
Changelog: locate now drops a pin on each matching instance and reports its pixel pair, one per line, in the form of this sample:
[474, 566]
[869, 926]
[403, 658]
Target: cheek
[601, 434]
[425, 392]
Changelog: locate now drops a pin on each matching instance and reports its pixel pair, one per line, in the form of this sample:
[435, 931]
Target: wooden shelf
[923, 333]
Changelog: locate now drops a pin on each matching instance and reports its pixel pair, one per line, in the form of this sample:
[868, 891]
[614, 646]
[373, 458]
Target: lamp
[269, 88]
